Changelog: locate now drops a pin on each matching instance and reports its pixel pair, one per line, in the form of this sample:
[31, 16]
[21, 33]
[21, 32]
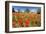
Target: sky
[22, 8]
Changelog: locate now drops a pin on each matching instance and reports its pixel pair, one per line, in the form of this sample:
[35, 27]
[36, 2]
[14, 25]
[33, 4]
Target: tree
[39, 11]
[27, 10]
[13, 10]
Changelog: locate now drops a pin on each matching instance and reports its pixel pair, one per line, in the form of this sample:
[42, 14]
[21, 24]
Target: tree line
[27, 11]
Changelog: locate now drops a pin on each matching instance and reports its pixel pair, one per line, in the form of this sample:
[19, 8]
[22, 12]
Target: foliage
[27, 10]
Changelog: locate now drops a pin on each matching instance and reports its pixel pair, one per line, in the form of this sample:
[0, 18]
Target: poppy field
[26, 19]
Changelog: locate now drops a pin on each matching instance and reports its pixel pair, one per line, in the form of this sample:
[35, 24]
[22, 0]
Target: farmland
[26, 19]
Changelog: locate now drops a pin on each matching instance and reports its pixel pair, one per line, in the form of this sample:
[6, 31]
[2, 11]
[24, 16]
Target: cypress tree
[13, 10]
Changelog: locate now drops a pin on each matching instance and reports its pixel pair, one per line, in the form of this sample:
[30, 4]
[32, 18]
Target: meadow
[26, 19]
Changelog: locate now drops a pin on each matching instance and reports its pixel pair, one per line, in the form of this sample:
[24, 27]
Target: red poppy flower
[27, 22]
[19, 21]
